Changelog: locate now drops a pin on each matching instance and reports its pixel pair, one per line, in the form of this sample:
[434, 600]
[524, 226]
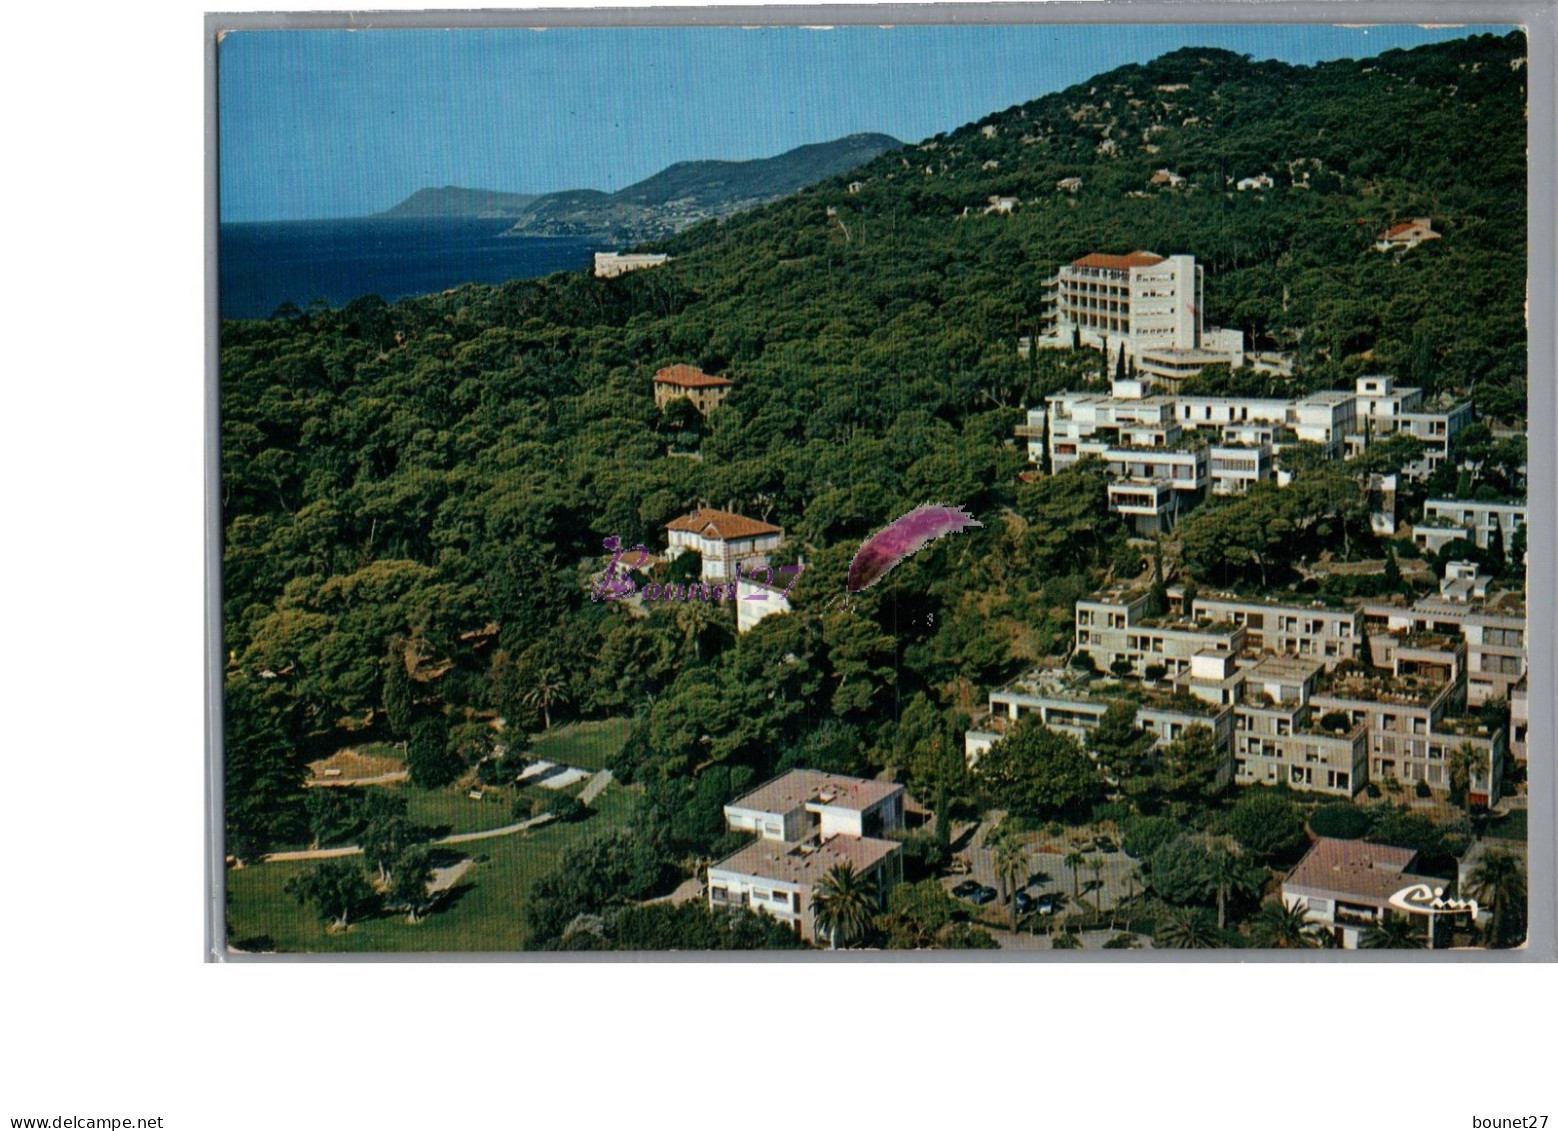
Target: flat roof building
[807, 823]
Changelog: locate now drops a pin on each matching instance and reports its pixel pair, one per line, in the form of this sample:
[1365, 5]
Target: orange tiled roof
[1118, 262]
[721, 526]
[688, 377]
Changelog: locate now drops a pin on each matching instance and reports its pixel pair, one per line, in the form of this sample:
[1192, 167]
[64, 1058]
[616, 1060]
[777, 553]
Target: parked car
[966, 888]
[1025, 902]
[1046, 905]
[1106, 844]
[984, 895]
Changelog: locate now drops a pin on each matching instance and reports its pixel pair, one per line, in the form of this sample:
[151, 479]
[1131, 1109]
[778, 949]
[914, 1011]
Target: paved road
[457, 838]
[378, 779]
[595, 786]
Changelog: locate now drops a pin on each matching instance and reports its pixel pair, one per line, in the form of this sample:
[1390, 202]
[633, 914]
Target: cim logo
[1424, 900]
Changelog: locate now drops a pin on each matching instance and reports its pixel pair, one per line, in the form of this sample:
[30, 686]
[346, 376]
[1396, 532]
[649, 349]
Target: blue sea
[265, 265]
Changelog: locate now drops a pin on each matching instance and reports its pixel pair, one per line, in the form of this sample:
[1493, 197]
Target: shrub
[1116, 811]
[1372, 790]
[567, 807]
[1083, 661]
[1336, 720]
[1121, 668]
[1267, 824]
[1155, 672]
[1344, 822]
[1422, 790]
[1145, 835]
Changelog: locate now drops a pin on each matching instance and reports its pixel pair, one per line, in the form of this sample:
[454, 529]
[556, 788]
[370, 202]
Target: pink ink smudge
[902, 537]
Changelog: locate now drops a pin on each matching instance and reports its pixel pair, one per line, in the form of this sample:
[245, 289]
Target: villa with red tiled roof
[1406, 235]
[704, 390]
[727, 542]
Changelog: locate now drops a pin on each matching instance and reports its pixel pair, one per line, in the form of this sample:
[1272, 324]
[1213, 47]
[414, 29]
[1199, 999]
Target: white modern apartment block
[1495, 640]
[727, 542]
[1148, 303]
[1277, 737]
[1069, 703]
[1445, 520]
[1323, 418]
[1235, 467]
[1385, 408]
[807, 823]
[1436, 427]
[1316, 632]
[1117, 630]
[1381, 403]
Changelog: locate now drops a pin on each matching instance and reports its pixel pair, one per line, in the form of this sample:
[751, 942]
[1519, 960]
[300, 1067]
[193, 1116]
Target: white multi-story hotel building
[1149, 304]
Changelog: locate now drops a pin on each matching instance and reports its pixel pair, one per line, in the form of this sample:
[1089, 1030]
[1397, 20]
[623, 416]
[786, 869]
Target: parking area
[1103, 880]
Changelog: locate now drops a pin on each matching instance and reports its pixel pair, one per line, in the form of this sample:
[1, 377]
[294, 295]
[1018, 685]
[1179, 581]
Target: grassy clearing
[588, 745]
[482, 915]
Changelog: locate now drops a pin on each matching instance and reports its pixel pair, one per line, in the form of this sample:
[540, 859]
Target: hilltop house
[728, 543]
[807, 823]
[704, 390]
[1068, 184]
[1406, 235]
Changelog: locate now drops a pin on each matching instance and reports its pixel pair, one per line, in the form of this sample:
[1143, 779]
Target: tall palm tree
[1226, 873]
[1393, 932]
[1074, 860]
[1011, 868]
[1095, 865]
[695, 617]
[844, 904]
[1188, 928]
[1467, 761]
[1499, 881]
[548, 687]
[1280, 927]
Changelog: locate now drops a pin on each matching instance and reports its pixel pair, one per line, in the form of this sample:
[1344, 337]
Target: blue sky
[321, 124]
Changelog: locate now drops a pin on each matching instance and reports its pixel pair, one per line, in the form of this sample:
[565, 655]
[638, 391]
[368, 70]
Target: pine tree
[1496, 548]
[397, 690]
[1157, 595]
[1392, 570]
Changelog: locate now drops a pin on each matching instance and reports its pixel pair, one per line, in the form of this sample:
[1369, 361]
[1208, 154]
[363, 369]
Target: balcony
[1354, 916]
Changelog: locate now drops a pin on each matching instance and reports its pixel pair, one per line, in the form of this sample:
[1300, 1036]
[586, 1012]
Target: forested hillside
[415, 495]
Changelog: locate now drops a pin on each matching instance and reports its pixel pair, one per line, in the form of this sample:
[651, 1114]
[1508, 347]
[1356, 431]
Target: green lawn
[452, 811]
[482, 916]
[588, 745]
